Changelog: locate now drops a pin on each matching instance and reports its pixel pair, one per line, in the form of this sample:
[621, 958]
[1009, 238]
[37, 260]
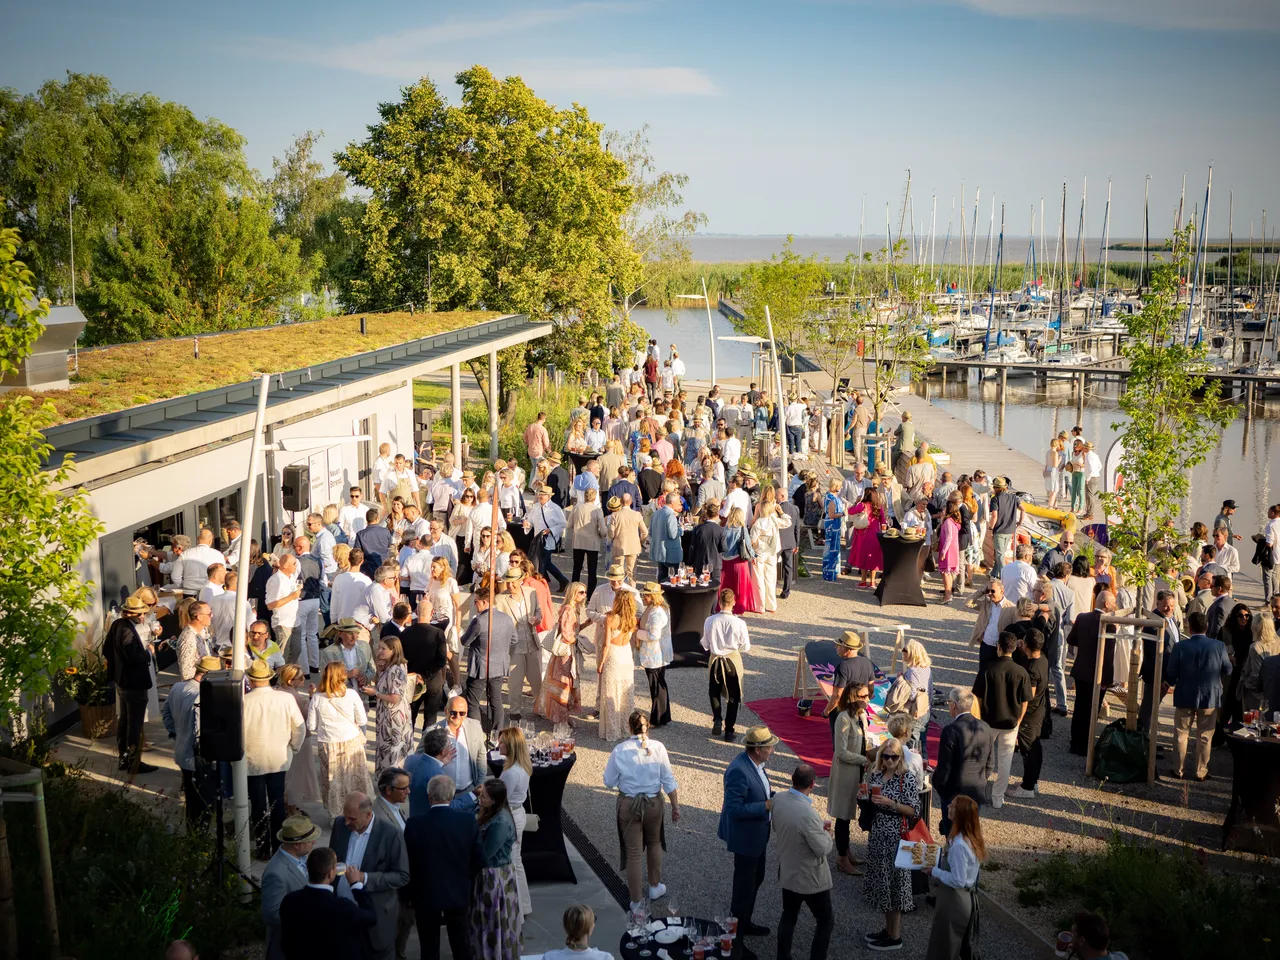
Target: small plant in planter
[85, 681]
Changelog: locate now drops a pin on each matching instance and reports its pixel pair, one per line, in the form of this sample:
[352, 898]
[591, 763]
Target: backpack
[904, 698]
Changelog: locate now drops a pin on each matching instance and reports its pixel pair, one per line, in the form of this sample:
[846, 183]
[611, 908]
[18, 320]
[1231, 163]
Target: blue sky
[785, 114]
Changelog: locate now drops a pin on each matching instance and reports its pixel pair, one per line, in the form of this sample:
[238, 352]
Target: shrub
[1159, 904]
[126, 882]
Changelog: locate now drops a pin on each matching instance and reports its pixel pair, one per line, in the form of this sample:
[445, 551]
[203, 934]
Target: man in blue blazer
[744, 828]
[1197, 668]
[429, 762]
[444, 856]
[665, 548]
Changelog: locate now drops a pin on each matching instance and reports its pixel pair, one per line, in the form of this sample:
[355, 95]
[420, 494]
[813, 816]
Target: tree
[891, 326]
[787, 284]
[833, 344]
[172, 227]
[45, 533]
[502, 202]
[1169, 430]
[310, 206]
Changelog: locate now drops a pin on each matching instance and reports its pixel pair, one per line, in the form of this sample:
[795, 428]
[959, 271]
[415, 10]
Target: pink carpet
[809, 738]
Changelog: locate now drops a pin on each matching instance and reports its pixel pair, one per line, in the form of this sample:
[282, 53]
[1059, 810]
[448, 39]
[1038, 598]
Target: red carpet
[809, 738]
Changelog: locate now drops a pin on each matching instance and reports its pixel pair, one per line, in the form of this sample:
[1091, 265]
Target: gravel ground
[1071, 813]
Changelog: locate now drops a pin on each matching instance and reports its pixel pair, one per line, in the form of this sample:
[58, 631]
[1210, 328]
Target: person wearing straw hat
[547, 524]
[853, 670]
[286, 872]
[199, 776]
[627, 532]
[655, 651]
[127, 649]
[744, 828]
[520, 603]
[273, 733]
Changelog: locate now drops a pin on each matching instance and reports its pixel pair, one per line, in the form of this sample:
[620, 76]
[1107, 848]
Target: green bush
[127, 882]
[1160, 904]
[524, 409]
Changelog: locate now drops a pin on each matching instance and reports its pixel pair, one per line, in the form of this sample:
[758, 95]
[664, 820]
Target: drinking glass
[673, 906]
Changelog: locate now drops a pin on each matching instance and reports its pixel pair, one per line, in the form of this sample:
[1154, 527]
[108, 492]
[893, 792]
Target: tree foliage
[502, 202]
[1175, 419]
[173, 230]
[787, 284]
[44, 533]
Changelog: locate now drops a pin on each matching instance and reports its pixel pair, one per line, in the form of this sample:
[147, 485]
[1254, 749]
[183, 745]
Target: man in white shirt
[1019, 578]
[796, 415]
[378, 473]
[725, 638]
[438, 545]
[351, 516]
[400, 481]
[601, 601]
[223, 611]
[418, 568]
[416, 525]
[730, 452]
[232, 534]
[546, 517]
[1092, 480]
[282, 595]
[194, 573]
[273, 733]
[677, 369]
[510, 500]
[1271, 534]
[736, 497]
[322, 544]
[217, 575]
[379, 599]
[348, 589]
[1228, 556]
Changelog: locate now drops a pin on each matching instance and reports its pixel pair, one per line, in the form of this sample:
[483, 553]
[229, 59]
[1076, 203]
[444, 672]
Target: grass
[133, 374]
[1159, 904]
[428, 396]
[524, 410]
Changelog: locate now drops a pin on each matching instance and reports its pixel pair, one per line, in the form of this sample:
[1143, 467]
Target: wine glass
[673, 906]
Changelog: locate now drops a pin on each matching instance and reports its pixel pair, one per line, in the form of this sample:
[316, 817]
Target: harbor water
[687, 329]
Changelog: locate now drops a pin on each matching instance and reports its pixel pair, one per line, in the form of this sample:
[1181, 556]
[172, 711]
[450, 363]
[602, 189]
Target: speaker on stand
[221, 736]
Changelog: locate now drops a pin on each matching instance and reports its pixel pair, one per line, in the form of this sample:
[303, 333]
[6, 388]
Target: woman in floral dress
[394, 722]
[888, 888]
[561, 686]
[833, 510]
[495, 923]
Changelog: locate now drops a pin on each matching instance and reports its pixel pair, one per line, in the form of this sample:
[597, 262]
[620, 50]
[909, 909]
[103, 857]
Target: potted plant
[85, 681]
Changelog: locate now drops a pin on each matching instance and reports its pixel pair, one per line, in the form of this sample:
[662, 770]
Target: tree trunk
[8, 914]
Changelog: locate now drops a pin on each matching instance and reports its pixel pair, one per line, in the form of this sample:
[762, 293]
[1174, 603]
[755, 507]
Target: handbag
[917, 830]
[531, 819]
[559, 648]
[860, 520]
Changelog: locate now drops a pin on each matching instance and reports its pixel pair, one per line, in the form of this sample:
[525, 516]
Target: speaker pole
[239, 768]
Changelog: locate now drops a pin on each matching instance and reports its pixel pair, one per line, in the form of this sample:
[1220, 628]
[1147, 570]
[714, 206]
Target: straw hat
[135, 605]
[849, 640]
[759, 737]
[651, 588]
[999, 483]
[615, 572]
[547, 489]
[513, 575]
[468, 474]
[258, 670]
[345, 625]
[209, 664]
[298, 829]
[553, 457]
[614, 504]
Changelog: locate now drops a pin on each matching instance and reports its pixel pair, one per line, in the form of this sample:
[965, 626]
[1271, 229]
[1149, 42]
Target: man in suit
[1202, 597]
[352, 650]
[316, 922]
[376, 861]
[181, 716]
[665, 549]
[1197, 668]
[488, 663]
[1153, 691]
[626, 533]
[790, 544]
[804, 840]
[286, 872]
[520, 603]
[1084, 637]
[707, 548]
[966, 756]
[465, 759]
[995, 613]
[391, 807]
[744, 828]
[1221, 606]
[273, 733]
[127, 650]
[435, 757]
[444, 854]
[558, 481]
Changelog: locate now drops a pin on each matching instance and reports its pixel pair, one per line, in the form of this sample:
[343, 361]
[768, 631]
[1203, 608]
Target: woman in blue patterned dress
[833, 510]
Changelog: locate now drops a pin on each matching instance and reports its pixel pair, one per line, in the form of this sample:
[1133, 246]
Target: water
[687, 329]
[1242, 466]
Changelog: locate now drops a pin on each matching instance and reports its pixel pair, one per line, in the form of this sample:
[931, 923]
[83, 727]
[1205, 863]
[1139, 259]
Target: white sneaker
[658, 892]
[1018, 793]
[997, 802]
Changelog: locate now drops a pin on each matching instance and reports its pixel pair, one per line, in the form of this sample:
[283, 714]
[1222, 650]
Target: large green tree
[173, 230]
[788, 284]
[501, 202]
[44, 532]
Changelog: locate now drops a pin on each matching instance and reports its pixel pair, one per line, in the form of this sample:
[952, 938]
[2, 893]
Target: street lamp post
[777, 378]
[711, 333]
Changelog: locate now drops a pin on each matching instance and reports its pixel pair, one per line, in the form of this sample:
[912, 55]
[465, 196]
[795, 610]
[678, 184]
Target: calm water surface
[687, 329]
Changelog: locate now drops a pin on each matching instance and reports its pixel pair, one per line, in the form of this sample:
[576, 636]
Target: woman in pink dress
[864, 548]
[949, 549]
[737, 572]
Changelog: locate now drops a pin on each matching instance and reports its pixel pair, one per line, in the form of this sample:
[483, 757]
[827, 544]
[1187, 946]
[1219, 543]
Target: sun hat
[514, 574]
[651, 588]
[209, 664]
[615, 572]
[614, 503]
[258, 670]
[135, 605]
[759, 737]
[849, 640]
[553, 457]
[547, 489]
[298, 829]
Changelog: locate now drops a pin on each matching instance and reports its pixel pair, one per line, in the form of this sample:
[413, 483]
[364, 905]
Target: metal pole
[455, 407]
[711, 332]
[46, 870]
[239, 768]
[777, 374]
[71, 227]
[493, 408]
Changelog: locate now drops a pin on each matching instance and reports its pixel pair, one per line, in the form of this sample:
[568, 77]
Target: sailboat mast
[1064, 315]
[1195, 269]
[991, 303]
[933, 233]
[1146, 231]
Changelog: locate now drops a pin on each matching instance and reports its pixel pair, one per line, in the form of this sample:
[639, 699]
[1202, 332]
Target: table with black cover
[580, 460]
[690, 607]
[1252, 822]
[900, 580]
[628, 949]
[542, 850]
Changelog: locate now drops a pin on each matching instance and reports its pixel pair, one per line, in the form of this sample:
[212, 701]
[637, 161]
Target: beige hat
[209, 664]
[615, 572]
[651, 588]
[135, 605]
[345, 625]
[553, 457]
[849, 640]
[999, 483]
[258, 670]
[759, 737]
[514, 574]
[547, 489]
[298, 829]
[614, 504]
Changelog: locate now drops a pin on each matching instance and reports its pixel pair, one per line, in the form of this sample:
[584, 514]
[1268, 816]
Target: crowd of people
[443, 599]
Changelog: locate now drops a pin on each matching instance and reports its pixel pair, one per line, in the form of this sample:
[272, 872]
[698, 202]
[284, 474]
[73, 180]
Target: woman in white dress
[446, 601]
[516, 770]
[655, 650]
[616, 668]
[767, 544]
[336, 718]
[1053, 471]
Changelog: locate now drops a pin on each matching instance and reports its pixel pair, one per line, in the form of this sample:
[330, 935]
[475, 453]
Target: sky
[788, 116]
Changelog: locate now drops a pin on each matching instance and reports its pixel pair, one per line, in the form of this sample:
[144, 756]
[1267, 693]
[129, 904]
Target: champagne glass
[673, 906]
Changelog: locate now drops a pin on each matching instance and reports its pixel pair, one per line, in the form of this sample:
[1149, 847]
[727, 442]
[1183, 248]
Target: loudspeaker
[295, 487]
[222, 715]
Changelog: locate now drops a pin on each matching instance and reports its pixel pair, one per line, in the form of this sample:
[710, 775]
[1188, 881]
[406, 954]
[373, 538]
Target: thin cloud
[1220, 16]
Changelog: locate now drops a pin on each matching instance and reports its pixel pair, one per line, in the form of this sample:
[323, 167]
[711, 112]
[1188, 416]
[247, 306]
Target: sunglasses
[891, 756]
[457, 713]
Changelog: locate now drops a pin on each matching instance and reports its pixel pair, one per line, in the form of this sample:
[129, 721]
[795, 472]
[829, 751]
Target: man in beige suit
[627, 533]
[803, 840]
[520, 603]
[995, 613]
